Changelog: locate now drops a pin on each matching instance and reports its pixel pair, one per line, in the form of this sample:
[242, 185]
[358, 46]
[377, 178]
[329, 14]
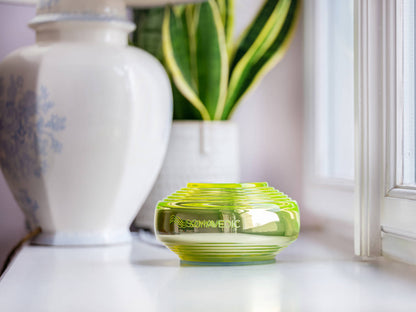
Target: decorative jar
[84, 123]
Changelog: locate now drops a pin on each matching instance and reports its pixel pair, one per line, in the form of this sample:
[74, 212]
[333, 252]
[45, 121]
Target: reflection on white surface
[243, 288]
[314, 274]
[73, 279]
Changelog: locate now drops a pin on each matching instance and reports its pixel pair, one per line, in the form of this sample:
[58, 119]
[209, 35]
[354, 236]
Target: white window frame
[330, 200]
[385, 218]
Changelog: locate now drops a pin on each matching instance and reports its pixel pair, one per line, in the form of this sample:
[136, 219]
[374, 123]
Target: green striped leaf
[196, 49]
[148, 36]
[211, 58]
[226, 8]
[255, 32]
[148, 33]
[261, 47]
[179, 9]
[191, 21]
[177, 58]
[182, 108]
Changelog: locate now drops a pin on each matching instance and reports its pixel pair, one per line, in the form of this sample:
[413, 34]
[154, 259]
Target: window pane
[409, 142]
[335, 112]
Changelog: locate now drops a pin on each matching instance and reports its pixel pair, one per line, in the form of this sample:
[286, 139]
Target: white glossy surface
[317, 273]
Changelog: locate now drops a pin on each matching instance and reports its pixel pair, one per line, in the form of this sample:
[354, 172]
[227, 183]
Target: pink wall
[270, 120]
[13, 34]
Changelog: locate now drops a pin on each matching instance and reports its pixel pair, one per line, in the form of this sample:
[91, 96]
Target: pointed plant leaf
[177, 58]
[179, 9]
[182, 108]
[226, 8]
[259, 36]
[190, 19]
[211, 58]
[253, 31]
[273, 27]
[250, 68]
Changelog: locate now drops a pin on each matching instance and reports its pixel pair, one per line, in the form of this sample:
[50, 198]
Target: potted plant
[210, 74]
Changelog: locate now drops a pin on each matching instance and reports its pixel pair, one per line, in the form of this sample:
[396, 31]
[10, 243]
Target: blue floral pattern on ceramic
[28, 136]
[28, 129]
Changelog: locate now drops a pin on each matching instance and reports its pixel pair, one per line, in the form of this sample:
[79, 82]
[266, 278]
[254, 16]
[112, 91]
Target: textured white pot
[84, 123]
[198, 152]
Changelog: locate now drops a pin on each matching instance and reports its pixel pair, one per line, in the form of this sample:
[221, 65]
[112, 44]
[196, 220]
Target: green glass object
[227, 223]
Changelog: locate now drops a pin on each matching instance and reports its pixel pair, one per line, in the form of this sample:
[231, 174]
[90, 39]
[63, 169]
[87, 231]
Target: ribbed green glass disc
[229, 223]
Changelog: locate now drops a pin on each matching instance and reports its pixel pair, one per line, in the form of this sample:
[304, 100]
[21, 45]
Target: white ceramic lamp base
[84, 123]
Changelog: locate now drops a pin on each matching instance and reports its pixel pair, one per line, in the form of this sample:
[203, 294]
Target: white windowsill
[316, 273]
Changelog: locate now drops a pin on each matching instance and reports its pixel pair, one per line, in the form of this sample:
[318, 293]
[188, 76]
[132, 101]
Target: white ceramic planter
[205, 152]
[84, 125]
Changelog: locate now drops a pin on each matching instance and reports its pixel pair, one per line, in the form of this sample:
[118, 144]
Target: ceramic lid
[54, 10]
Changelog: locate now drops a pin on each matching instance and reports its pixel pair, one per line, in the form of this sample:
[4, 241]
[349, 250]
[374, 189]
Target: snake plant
[210, 73]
